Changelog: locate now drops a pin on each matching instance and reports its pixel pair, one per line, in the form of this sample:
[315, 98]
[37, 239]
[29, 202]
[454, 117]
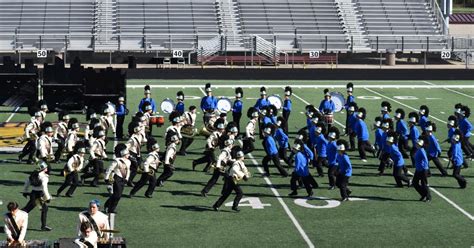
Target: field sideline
[379, 214]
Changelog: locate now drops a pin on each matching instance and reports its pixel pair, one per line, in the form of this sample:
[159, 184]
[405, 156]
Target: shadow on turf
[192, 208]
[391, 186]
[69, 209]
[11, 183]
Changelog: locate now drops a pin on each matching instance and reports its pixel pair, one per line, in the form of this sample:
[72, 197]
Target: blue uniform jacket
[457, 157]
[421, 160]
[385, 116]
[120, 110]
[301, 165]
[414, 135]
[350, 99]
[396, 156]
[466, 127]
[309, 154]
[150, 100]
[327, 106]
[208, 103]
[270, 146]
[261, 103]
[378, 138]
[281, 138]
[237, 107]
[361, 130]
[402, 129]
[180, 107]
[344, 165]
[287, 105]
[321, 146]
[352, 121]
[422, 122]
[451, 132]
[267, 120]
[385, 147]
[332, 153]
[433, 149]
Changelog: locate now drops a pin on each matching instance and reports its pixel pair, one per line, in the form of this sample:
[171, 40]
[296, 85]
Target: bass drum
[339, 101]
[224, 104]
[167, 106]
[276, 101]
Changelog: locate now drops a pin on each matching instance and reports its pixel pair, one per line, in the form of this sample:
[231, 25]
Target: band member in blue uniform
[282, 140]
[344, 170]
[237, 107]
[208, 102]
[121, 111]
[287, 107]
[420, 179]
[333, 136]
[180, 108]
[148, 99]
[434, 149]
[401, 129]
[349, 101]
[466, 128]
[385, 148]
[301, 170]
[350, 127]
[452, 125]
[385, 110]
[363, 135]
[271, 150]
[457, 159]
[262, 102]
[414, 134]
[327, 106]
[424, 112]
[398, 161]
[320, 145]
[379, 142]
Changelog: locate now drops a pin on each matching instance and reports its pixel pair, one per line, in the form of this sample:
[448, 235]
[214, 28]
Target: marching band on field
[318, 143]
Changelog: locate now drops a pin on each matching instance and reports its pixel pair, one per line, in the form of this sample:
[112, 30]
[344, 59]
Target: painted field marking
[280, 199]
[283, 204]
[308, 86]
[450, 202]
[11, 116]
[454, 91]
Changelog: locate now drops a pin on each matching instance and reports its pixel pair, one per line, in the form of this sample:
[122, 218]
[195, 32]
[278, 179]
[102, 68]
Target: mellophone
[26, 243]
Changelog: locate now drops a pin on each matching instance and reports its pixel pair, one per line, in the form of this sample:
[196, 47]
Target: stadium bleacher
[163, 25]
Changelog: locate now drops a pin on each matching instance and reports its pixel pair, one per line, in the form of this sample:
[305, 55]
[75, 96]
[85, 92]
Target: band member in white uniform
[107, 121]
[74, 165]
[170, 157]
[189, 122]
[224, 159]
[211, 144]
[38, 181]
[44, 147]
[134, 145]
[60, 135]
[32, 131]
[99, 220]
[72, 139]
[150, 167]
[120, 168]
[234, 175]
[96, 165]
[87, 237]
[249, 139]
[16, 223]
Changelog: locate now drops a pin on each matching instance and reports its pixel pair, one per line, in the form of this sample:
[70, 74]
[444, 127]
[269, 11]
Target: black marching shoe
[148, 196]
[46, 228]
[310, 194]
[422, 198]
[203, 194]
[194, 165]
[332, 187]
[345, 199]
[236, 209]
[215, 208]
[293, 193]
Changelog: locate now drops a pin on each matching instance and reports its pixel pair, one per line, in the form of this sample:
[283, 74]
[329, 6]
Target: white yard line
[283, 204]
[11, 116]
[447, 87]
[450, 201]
[312, 86]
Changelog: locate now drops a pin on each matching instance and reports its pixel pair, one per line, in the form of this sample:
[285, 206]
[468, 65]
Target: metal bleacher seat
[167, 24]
[54, 18]
[312, 21]
[387, 21]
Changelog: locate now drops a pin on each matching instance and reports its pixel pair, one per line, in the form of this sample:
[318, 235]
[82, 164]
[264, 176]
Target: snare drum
[329, 119]
[224, 104]
[157, 120]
